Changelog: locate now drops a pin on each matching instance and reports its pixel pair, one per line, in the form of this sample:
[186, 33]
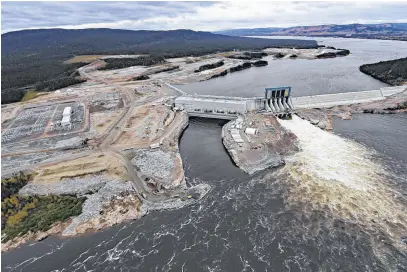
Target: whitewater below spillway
[295, 218]
[330, 157]
[339, 176]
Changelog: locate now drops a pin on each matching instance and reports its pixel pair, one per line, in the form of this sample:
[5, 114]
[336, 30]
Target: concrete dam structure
[277, 101]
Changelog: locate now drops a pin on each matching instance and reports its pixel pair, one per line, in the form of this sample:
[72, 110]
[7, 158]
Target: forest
[34, 59]
[393, 72]
[119, 63]
[23, 214]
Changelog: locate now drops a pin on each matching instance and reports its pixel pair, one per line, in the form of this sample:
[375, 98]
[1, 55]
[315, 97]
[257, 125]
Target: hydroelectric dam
[277, 101]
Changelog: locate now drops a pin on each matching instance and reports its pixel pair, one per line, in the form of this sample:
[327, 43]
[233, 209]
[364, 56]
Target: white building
[67, 111]
[66, 120]
[66, 116]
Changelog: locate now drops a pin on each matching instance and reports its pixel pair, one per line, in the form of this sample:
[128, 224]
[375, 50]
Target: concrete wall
[193, 104]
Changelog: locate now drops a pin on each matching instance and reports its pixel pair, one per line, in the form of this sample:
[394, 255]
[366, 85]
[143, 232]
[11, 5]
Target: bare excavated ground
[145, 124]
[95, 163]
[257, 151]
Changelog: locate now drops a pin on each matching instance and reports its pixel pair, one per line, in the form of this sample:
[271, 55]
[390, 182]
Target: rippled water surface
[308, 77]
[259, 223]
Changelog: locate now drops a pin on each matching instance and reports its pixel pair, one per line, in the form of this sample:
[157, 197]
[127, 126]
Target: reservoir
[314, 214]
[308, 77]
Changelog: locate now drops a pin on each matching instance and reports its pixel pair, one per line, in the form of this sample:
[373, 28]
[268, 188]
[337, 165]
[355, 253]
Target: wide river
[336, 205]
[308, 77]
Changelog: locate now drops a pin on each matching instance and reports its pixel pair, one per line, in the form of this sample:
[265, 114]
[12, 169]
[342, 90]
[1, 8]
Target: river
[308, 77]
[332, 207]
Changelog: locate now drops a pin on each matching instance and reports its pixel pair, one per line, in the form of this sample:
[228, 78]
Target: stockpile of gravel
[154, 163]
[69, 186]
[94, 203]
[71, 142]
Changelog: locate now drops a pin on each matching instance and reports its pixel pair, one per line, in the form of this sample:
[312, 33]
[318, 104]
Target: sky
[202, 16]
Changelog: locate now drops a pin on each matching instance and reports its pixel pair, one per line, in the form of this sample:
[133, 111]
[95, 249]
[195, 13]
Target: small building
[251, 131]
[67, 111]
[66, 120]
[155, 145]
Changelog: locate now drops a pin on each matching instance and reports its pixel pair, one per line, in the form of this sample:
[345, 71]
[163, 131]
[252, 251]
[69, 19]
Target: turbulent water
[308, 77]
[301, 217]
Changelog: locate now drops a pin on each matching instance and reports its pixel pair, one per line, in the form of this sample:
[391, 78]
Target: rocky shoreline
[393, 72]
[240, 67]
[323, 117]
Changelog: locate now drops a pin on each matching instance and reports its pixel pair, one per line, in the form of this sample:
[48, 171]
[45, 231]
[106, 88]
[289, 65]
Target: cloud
[207, 16]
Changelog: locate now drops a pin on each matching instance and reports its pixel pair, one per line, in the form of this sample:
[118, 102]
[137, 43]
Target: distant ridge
[33, 56]
[68, 42]
[391, 31]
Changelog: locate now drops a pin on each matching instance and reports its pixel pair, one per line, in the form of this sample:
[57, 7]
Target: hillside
[369, 31]
[32, 56]
[393, 72]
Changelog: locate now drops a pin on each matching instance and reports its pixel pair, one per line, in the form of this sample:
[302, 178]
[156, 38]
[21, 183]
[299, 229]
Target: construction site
[115, 135]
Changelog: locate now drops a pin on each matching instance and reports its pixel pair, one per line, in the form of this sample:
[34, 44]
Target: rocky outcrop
[166, 69]
[326, 55]
[343, 52]
[260, 63]
[223, 73]
[316, 117]
[323, 117]
[141, 77]
[278, 55]
[210, 66]
[393, 72]
[240, 56]
[258, 55]
[248, 55]
[338, 53]
[240, 67]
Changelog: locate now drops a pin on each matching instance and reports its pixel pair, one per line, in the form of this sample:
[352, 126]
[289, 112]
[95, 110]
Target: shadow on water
[243, 224]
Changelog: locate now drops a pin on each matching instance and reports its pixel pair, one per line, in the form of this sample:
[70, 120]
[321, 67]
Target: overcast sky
[205, 16]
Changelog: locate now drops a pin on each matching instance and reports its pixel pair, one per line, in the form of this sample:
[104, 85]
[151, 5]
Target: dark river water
[244, 223]
[335, 206]
[308, 77]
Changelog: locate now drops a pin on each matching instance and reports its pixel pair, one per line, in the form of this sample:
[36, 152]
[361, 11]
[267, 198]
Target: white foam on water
[329, 157]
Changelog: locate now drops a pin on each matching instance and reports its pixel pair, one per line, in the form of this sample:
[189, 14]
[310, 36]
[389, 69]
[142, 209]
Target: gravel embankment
[154, 163]
[71, 186]
[94, 203]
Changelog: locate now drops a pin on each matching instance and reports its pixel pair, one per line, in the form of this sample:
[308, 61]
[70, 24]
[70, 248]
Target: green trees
[119, 63]
[32, 57]
[21, 214]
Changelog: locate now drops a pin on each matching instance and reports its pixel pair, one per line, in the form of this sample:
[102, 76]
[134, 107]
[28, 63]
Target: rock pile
[154, 163]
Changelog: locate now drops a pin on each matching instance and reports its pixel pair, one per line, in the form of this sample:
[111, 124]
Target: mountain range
[393, 31]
